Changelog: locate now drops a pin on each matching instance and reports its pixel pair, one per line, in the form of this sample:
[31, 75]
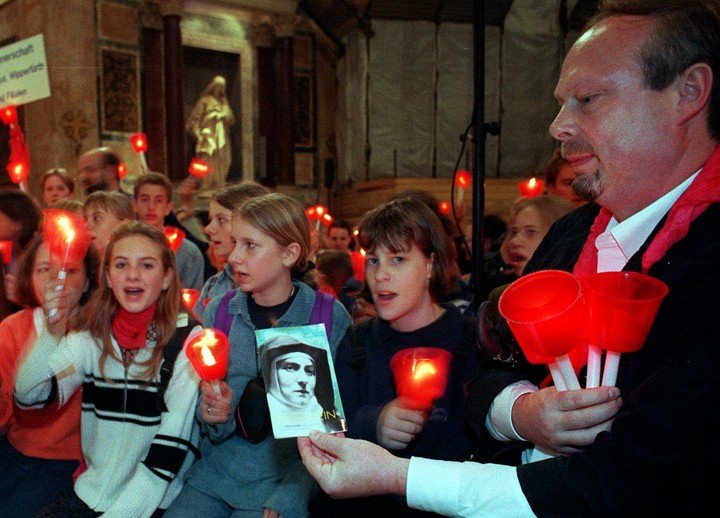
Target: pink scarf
[704, 191]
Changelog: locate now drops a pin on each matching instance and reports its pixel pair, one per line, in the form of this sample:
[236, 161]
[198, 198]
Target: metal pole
[479, 134]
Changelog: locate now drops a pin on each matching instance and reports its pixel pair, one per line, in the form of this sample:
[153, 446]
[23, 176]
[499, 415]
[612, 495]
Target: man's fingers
[574, 399]
[328, 443]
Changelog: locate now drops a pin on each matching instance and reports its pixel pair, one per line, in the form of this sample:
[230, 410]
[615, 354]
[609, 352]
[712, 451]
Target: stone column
[152, 81]
[264, 38]
[174, 117]
[285, 101]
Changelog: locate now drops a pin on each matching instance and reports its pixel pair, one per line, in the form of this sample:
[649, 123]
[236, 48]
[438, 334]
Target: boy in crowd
[152, 202]
[103, 211]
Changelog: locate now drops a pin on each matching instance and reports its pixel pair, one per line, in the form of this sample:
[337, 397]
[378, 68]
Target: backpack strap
[322, 311]
[356, 335]
[170, 353]
[223, 319]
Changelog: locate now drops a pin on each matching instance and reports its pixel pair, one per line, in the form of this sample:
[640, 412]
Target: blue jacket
[270, 473]
[216, 286]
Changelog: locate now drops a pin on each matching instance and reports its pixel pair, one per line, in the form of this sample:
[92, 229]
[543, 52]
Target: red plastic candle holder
[6, 251]
[199, 168]
[122, 170]
[18, 171]
[208, 354]
[8, 115]
[190, 297]
[531, 187]
[66, 234]
[421, 374]
[139, 142]
[444, 208]
[327, 219]
[174, 237]
[543, 310]
[621, 308]
[463, 179]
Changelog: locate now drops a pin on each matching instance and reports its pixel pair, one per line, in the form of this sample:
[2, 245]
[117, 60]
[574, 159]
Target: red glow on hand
[208, 354]
[531, 187]
[199, 168]
[463, 179]
[139, 142]
[174, 236]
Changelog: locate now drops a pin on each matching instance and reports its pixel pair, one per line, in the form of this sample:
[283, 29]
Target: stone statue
[209, 123]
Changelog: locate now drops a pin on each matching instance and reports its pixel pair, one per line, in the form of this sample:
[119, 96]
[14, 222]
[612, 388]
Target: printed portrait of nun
[299, 387]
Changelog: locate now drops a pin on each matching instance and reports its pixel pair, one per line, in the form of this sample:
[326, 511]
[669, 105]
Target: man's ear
[291, 254]
[693, 88]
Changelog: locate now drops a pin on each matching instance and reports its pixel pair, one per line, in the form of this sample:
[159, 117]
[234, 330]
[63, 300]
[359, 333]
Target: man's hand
[563, 422]
[398, 425]
[215, 409]
[347, 468]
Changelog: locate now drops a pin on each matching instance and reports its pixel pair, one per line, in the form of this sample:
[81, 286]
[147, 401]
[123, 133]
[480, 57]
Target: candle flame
[531, 182]
[207, 340]
[186, 297]
[423, 370]
[65, 226]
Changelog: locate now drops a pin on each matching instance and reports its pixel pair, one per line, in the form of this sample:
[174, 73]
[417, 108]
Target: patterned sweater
[134, 446]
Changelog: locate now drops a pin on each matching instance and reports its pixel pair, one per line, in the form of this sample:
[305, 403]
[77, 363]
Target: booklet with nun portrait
[300, 381]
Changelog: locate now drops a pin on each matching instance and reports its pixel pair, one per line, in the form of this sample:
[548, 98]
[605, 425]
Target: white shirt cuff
[499, 418]
[465, 489]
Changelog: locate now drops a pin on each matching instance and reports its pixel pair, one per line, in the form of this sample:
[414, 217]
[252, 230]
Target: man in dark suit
[639, 122]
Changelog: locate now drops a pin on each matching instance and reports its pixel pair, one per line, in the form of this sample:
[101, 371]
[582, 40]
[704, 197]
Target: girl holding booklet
[235, 475]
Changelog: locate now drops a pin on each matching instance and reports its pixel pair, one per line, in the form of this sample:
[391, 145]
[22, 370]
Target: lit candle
[444, 207]
[67, 236]
[208, 354]
[8, 115]
[190, 297]
[174, 236]
[122, 170]
[421, 374]
[139, 144]
[531, 187]
[199, 168]
[18, 172]
[327, 219]
[463, 180]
